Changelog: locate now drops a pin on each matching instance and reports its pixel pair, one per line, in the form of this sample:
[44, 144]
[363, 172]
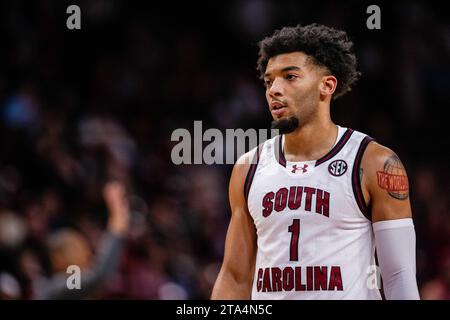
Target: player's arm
[385, 185]
[236, 275]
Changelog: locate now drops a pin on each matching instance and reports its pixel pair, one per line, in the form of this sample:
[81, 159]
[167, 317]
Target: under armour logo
[295, 168]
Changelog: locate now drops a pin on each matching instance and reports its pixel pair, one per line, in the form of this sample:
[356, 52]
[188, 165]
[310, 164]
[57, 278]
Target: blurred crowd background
[80, 107]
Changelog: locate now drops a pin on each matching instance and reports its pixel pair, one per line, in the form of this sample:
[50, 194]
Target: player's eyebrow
[290, 68]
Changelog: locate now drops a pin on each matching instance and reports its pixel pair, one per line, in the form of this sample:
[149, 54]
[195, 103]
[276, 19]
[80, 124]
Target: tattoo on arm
[393, 178]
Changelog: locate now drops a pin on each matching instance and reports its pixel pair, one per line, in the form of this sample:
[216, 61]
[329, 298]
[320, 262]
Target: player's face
[292, 86]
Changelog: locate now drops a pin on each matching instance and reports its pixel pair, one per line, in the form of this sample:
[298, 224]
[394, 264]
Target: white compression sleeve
[396, 250]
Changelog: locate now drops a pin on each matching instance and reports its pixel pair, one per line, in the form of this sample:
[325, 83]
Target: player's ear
[327, 85]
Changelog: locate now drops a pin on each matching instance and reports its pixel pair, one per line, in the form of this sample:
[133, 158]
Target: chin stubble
[286, 125]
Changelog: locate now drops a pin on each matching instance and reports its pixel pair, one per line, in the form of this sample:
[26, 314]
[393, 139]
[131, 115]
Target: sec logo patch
[337, 167]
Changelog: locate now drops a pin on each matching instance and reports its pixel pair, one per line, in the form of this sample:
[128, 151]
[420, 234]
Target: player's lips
[277, 108]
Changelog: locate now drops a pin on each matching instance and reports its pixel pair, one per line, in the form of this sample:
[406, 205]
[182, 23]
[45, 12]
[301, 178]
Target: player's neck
[310, 141]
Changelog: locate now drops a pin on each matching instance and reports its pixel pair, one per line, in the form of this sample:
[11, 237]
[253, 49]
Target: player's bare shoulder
[239, 175]
[247, 158]
[383, 169]
[243, 163]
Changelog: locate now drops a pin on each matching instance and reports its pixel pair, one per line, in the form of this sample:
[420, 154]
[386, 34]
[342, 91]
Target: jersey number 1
[294, 228]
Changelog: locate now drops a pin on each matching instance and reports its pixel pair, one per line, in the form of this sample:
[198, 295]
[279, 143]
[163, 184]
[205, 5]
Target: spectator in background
[69, 247]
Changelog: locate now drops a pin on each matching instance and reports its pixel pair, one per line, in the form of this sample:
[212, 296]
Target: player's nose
[276, 88]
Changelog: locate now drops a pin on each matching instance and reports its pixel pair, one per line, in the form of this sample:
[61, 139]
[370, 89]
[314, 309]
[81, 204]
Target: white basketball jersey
[315, 239]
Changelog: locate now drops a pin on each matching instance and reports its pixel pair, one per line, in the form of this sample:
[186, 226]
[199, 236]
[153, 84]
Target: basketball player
[310, 206]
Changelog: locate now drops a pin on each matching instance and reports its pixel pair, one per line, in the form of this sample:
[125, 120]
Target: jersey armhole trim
[356, 180]
[251, 171]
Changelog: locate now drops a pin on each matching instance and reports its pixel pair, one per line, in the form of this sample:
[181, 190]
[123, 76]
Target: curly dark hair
[325, 46]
